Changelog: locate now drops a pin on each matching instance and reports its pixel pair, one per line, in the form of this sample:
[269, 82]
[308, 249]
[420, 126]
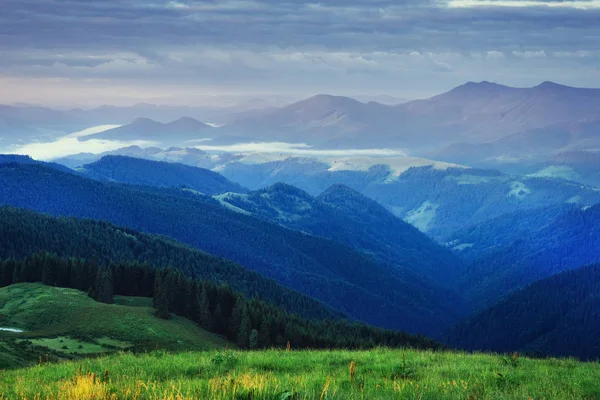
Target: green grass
[70, 345]
[63, 326]
[277, 374]
[65, 323]
[133, 301]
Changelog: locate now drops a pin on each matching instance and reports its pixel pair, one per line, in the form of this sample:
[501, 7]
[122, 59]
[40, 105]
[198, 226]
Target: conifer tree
[243, 335]
[264, 333]
[106, 290]
[161, 296]
[220, 325]
[205, 318]
[253, 340]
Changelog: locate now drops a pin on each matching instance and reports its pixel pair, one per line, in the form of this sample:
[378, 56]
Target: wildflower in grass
[325, 389]
[352, 371]
[83, 387]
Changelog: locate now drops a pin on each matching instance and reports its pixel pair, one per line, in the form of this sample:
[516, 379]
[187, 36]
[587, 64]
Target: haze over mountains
[498, 116]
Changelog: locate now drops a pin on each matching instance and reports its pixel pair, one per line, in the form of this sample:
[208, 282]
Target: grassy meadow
[61, 323]
[73, 347]
[280, 374]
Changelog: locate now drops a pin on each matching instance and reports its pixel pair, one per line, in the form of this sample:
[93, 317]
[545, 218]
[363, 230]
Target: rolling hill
[152, 173]
[346, 216]
[25, 233]
[546, 242]
[337, 275]
[555, 316]
[438, 199]
[184, 129]
[568, 241]
[86, 327]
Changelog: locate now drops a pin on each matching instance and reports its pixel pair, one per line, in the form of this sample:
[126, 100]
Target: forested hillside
[437, 200]
[333, 273]
[346, 216]
[21, 159]
[546, 247]
[24, 233]
[481, 240]
[441, 202]
[556, 316]
[162, 174]
[250, 323]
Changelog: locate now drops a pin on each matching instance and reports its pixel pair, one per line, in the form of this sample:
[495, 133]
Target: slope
[555, 316]
[143, 172]
[67, 323]
[24, 233]
[21, 159]
[174, 132]
[346, 216]
[440, 202]
[333, 273]
[568, 241]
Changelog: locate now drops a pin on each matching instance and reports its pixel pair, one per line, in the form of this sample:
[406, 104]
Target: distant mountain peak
[189, 123]
[344, 197]
[483, 85]
[284, 188]
[142, 121]
[327, 100]
[549, 85]
[339, 189]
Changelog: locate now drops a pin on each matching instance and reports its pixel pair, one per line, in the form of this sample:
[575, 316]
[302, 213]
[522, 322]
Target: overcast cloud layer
[120, 52]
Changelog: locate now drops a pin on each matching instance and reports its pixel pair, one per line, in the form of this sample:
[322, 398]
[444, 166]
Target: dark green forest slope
[24, 233]
[333, 273]
[558, 316]
[155, 173]
[346, 216]
[568, 240]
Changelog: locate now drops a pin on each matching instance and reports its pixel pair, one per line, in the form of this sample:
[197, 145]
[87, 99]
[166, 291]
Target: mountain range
[339, 276]
[487, 114]
[346, 216]
[479, 124]
[438, 199]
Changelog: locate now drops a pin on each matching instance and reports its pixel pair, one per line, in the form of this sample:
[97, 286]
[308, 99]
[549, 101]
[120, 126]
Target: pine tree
[220, 325]
[264, 333]
[94, 291]
[253, 340]
[106, 290]
[49, 272]
[205, 318]
[235, 322]
[161, 296]
[243, 335]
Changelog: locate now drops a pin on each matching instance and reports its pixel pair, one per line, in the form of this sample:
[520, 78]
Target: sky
[85, 53]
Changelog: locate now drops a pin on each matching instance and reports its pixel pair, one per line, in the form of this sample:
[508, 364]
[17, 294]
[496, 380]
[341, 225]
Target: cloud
[283, 45]
[70, 144]
[298, 149]
[91, 131]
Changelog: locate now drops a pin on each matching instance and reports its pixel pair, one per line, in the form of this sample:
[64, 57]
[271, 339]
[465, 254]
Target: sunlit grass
[279, 374]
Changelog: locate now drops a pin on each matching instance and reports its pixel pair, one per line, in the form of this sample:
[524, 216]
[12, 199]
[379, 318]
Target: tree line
[250, 323]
